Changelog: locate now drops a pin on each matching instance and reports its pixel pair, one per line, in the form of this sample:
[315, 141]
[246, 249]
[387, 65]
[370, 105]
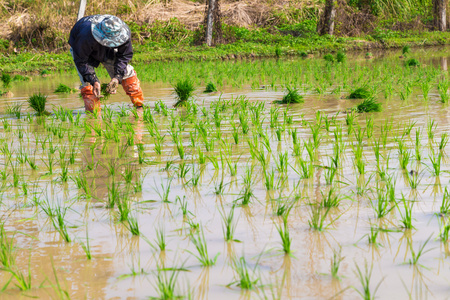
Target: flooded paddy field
[232, 196]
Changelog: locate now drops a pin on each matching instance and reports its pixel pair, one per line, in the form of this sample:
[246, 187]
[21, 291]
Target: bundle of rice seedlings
[210, 88]
[412, 62]
[360, 93]
[184, 90]
[292, 96]
[105, 91]
[369, 105]
[37, 102]
[64, 89]
[278, 52]
[6, 79]
[406, 49]
[329, 58]
[341, 57]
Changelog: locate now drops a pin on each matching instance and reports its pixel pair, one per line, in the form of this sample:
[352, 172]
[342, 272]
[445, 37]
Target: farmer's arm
[123, 57]
[81, 52]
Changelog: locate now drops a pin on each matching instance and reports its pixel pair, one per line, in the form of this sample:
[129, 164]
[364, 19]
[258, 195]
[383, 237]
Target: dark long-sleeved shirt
[88, 53]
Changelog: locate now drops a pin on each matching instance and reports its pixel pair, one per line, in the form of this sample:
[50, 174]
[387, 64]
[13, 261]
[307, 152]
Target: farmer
[104, 39]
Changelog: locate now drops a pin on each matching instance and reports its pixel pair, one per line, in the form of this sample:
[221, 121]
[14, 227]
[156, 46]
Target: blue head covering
[110, 31]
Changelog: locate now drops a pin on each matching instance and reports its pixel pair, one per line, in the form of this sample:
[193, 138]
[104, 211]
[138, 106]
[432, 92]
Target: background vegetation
[173, 28]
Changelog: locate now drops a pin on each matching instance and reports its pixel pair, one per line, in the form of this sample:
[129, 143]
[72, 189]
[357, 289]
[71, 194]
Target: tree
[440, 14]
[326, 22]
[213, 25]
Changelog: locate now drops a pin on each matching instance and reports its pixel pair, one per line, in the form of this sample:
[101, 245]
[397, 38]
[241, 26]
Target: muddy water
[125, 266]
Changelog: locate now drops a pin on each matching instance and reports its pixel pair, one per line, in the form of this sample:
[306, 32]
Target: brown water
[305, 274]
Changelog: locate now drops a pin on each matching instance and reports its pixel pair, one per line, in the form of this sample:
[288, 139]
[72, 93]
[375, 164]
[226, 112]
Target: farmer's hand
[96, 89]
[112, 86]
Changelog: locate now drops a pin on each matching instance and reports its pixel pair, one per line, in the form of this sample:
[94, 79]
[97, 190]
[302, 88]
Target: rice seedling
[431, 127]
[444, 229]
[372, 236]
[199, 241]
[415, 255]
[160, 242]
[166, 284]
[23, 281]
[404, 157]
[164, 192]
[64, 89]
[330, 199]
[87, 246]
[246, 278]
[14, 109]
[219, 188]
[444, 141]
[318, 218]
[7, 249]
[436, 160]
[330, 174]
[406, 214]
[364, 279]
[336, 262]
[229, 225]
[282, 163]
[184, 91]
[317, 137]
[59, 222]
[413, 179]
[64, 171]
[133, 225]
[443, 90]
[306, 168]
[292, 96]
[445, 204]
[37, 102]
[426, 87]
[286, 240]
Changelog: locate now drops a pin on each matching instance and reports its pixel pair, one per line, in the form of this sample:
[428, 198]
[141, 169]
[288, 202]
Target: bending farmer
[104, 39]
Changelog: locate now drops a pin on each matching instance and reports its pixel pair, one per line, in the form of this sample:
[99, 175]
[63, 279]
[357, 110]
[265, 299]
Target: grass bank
[263, 45]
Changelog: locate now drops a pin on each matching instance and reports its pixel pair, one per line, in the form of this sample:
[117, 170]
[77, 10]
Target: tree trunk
[210, 22]
[326, 24]
[440, 14]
